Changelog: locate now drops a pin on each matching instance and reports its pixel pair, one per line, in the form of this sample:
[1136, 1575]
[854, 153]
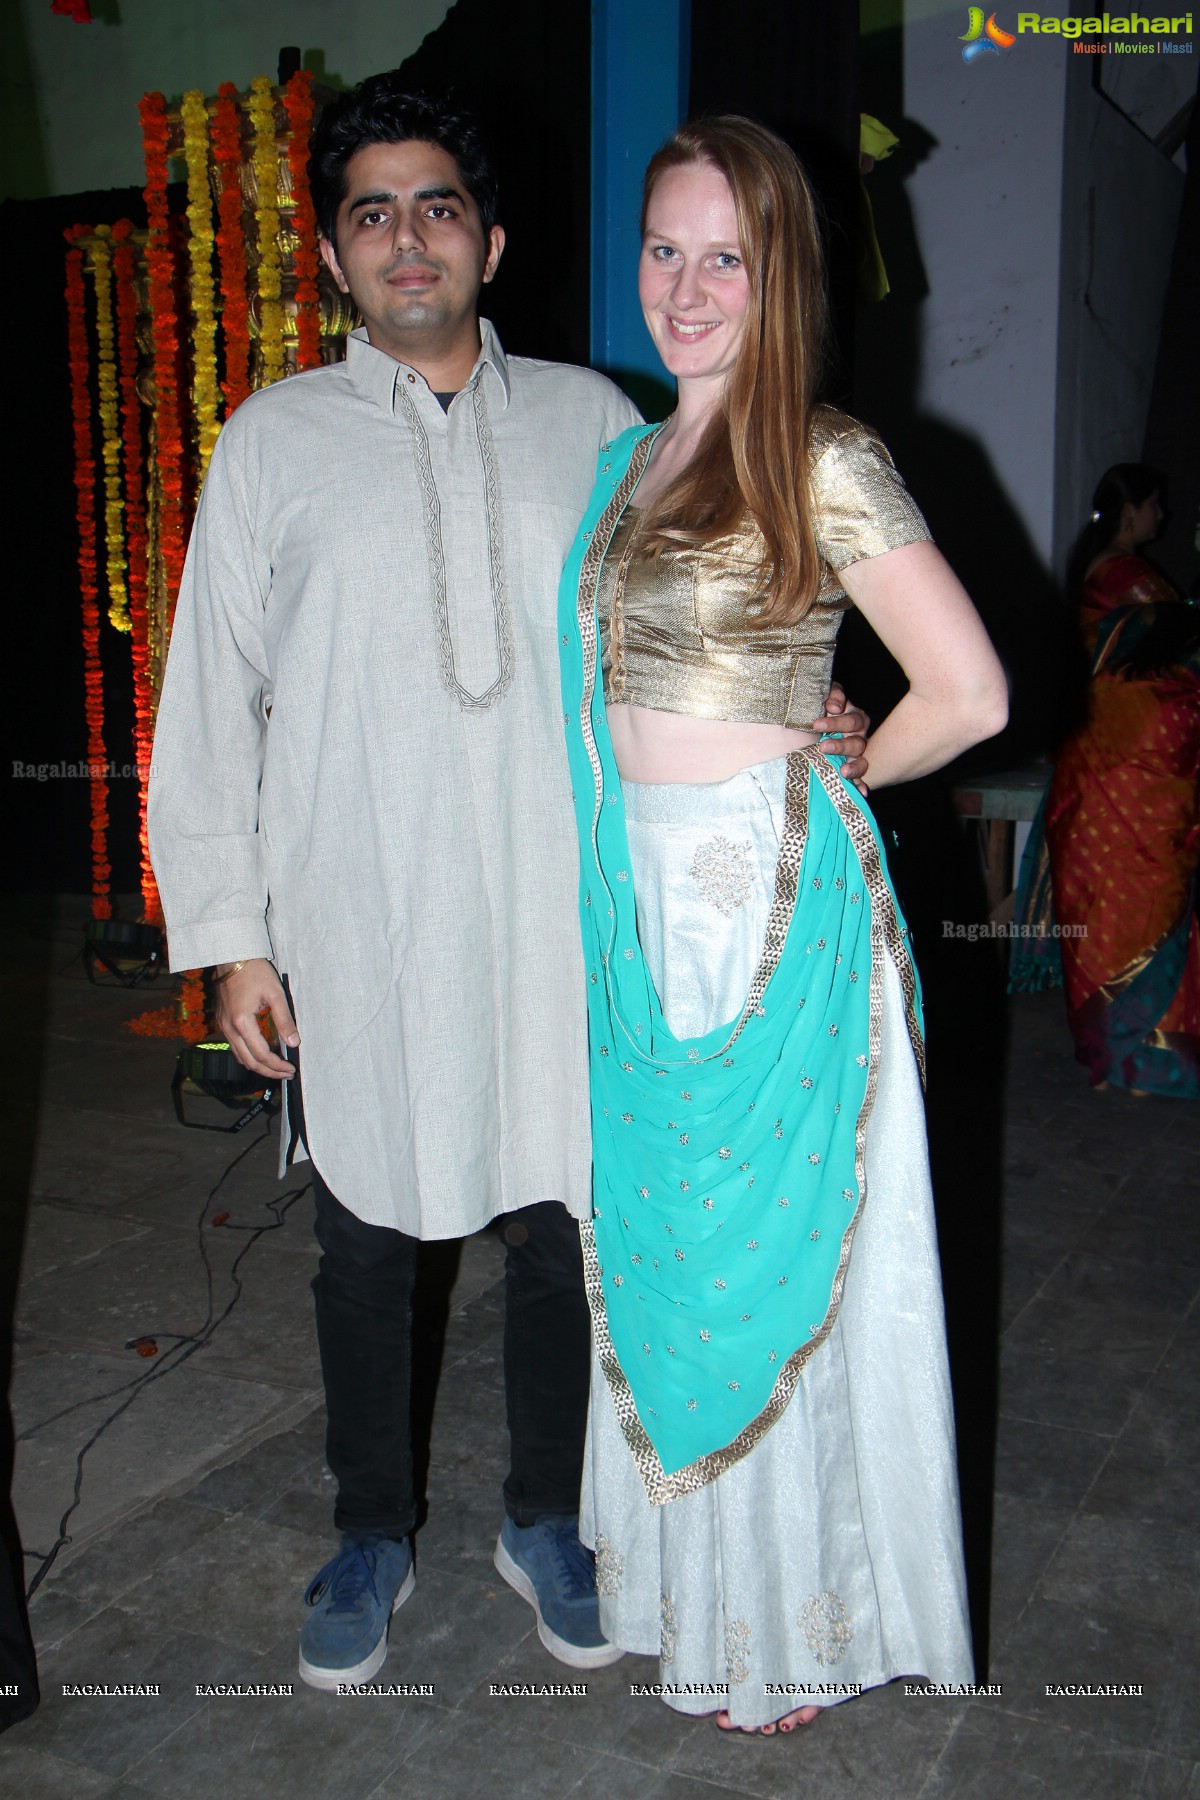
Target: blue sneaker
[549, 1567]
[344, 1637]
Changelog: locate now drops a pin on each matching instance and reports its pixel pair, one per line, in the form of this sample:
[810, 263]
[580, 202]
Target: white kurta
[359, 768]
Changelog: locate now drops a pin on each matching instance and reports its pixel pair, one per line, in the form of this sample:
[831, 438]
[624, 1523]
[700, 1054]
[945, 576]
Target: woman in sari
[1106, 569]
[1104, 573]
[770, 1482]
[1122, 815]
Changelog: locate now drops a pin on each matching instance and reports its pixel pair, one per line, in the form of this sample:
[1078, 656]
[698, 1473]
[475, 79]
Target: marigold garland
[266, 212]
[194, 114]
[193, 1009]
[306, 261]
[85, 485]
[99, 268]
[160, 264]
[137, 542]
[184, 1017]
[155, 525]
[231, 246]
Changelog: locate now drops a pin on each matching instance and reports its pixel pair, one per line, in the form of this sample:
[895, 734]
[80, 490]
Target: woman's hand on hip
[852, 726]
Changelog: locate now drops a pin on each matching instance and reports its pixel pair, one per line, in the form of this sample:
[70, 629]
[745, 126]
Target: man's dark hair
[380, 110]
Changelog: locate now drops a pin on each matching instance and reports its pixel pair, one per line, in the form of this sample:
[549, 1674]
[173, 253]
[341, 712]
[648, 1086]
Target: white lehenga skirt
[829, 1559]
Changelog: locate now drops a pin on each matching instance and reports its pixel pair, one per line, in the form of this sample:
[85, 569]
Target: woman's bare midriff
[654, 746]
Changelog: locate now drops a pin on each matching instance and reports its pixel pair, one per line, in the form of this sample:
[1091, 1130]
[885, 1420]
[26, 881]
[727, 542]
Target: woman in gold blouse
[770, 1481]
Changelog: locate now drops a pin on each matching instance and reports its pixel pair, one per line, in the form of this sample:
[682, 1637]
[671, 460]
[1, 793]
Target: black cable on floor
[174, 1358]
[181, 1337]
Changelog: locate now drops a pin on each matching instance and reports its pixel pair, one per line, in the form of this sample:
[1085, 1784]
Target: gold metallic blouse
[681, 635]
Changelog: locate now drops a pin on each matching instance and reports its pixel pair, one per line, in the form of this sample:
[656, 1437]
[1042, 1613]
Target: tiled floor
[205, 1504]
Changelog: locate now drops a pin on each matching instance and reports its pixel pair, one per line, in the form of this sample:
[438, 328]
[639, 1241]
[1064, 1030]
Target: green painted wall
[69, 93]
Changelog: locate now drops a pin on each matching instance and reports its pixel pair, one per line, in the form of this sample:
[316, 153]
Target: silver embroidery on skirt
[669, 1629]
[827, 1628]
[724, 872]
[737, 1645]
[610, 1565]
[705, 858]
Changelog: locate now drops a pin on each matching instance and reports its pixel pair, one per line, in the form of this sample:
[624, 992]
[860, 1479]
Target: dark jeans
[363, 1291]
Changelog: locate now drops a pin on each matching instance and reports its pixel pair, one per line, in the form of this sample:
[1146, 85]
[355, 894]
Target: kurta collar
[492, 357]
[375, 373]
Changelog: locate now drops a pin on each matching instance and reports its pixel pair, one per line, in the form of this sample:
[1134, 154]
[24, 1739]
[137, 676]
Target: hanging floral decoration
[231, 247]
[137, 542]
[156, 425]
[160, 265]
[79, 10]
[98, 262]
[306, 258]
[185, 1017]
[85, 518]
[193, 1008]
[205, 391]
[266, 212]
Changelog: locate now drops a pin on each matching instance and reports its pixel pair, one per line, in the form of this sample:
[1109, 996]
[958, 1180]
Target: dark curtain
[525, 70]
[1172, 441]
[793, 65]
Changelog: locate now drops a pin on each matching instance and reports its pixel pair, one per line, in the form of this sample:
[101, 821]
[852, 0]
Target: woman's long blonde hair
[754, 454]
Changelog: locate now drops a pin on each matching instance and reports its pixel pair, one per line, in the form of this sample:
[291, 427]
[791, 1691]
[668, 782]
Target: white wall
[1121, 201]
[1044, 222]
[69, 93]
[987, 204]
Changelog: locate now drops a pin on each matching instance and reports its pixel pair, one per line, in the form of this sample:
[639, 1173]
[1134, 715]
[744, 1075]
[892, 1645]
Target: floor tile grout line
[1031, 1595]
[1077, 1512]
[205, 1705]
[395, 1767]
[958, 1726]
[179, 1490]
[1095, 1736]
[1020, 1418]
[1136, 1407]
[459, 1711]
[1039, 1720]
[1138, 1388]
[1004, 1330]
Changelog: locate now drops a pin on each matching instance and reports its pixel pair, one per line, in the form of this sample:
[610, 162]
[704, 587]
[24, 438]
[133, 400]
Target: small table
[999, 802]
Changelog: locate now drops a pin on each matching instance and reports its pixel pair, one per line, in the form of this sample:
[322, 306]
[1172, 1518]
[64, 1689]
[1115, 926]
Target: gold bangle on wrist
[231, 970]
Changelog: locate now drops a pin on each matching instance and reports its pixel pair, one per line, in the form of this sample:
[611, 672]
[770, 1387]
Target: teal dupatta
[728, 1170]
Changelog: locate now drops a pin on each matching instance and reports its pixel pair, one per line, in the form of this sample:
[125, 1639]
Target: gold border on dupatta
[585, 611]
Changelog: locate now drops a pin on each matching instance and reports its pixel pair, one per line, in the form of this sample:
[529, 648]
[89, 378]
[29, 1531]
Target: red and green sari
[1119, 581]
[1123, 831]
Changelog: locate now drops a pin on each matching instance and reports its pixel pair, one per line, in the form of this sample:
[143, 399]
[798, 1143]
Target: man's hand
[239, 1000]
[854, 724]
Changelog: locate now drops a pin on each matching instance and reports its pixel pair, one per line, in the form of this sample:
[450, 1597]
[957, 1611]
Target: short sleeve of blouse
[861, 506]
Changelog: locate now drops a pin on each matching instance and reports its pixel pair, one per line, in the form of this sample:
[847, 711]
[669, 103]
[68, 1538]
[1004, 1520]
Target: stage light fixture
[127, 952]
[211, 1072]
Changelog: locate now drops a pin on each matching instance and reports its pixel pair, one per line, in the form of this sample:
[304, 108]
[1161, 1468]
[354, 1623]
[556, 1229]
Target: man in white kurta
[366, 629]
[360, 799]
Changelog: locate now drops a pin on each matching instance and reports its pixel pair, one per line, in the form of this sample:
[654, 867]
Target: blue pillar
[639, 95]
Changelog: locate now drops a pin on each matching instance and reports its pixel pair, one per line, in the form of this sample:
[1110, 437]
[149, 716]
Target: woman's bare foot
[803, 1715]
